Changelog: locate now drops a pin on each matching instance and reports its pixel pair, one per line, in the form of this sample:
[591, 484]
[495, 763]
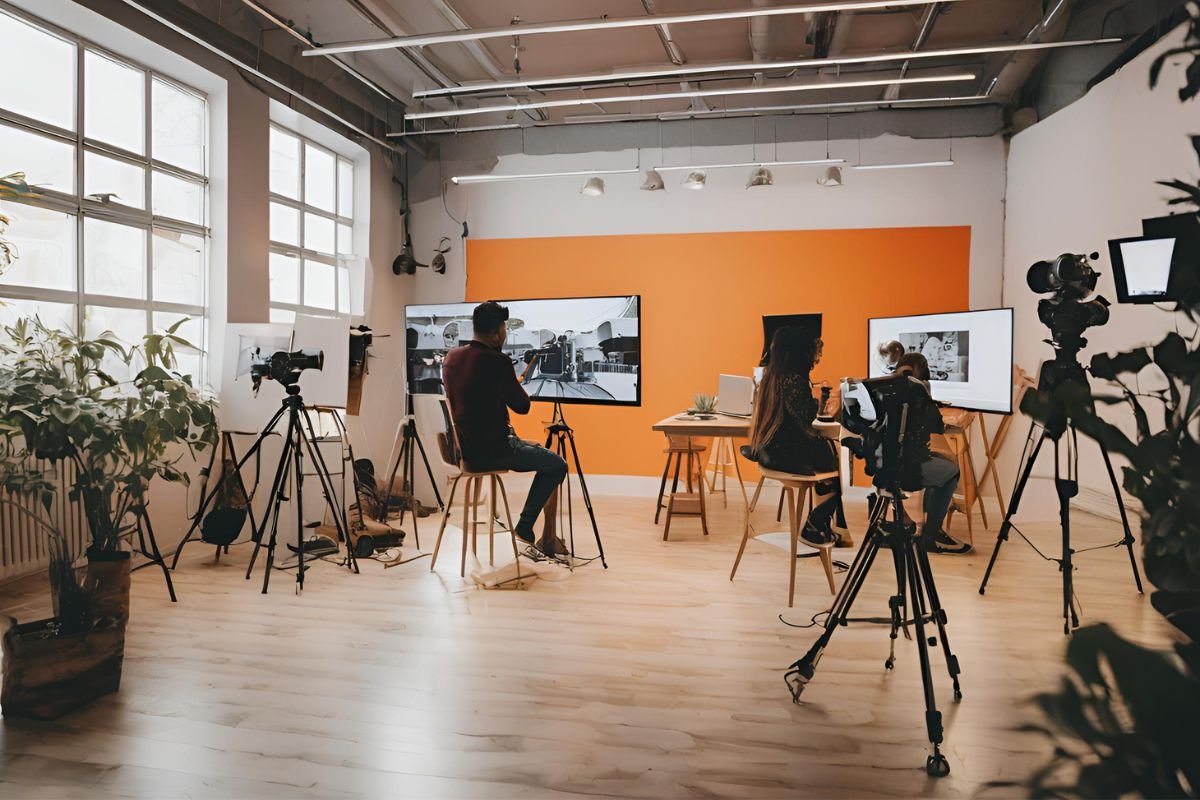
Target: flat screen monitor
[809, 323]
[1142, 268]
[588, 350]
[970, 355]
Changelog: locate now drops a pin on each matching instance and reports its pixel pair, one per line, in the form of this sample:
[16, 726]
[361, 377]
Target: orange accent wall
[703, 296]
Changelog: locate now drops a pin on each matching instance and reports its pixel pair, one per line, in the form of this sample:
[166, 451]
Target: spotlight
[695, 180]
[653, 182]
[760, 177]
[593, 188]
[832, 177]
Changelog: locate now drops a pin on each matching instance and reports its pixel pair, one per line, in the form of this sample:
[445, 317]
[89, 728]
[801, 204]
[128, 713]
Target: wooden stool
[690, 504]
[795, 489]
[958, 448]
[471, 503]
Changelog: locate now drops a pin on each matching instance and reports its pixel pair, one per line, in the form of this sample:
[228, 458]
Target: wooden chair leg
[445, 518]
[700, 489]
[462, 567]
[662, 488]
[779, 511]
[794, 536]
[742, 546]
[492, 520]
[827, 563]
[691, 467]
[512, 531]
[670, 511]
[737, 470]
[757, 491]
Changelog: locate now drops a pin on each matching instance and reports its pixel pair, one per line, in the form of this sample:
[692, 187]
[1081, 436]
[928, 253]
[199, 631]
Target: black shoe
[942, 543]
[813, 536]
[524, 534]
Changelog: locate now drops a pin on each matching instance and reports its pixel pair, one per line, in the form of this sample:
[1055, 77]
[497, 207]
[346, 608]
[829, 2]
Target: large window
[116, 237]
[312, 227]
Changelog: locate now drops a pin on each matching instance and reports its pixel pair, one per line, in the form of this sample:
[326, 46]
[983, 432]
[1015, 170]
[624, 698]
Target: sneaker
[813, 536]
[942, 543]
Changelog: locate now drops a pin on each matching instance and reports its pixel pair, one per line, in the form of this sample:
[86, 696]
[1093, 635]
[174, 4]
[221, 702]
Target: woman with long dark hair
[782, 436]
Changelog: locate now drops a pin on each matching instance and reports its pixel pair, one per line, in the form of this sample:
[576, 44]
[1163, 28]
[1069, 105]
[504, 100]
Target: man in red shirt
[482, 387]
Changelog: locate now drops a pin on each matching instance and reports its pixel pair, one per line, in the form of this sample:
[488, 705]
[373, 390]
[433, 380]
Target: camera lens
[1041, 278]
[1069, 268]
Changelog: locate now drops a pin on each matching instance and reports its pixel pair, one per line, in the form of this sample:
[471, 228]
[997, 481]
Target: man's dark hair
[488, 317]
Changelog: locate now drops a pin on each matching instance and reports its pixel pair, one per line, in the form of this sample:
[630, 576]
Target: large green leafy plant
[1126, 719]
[59, 403]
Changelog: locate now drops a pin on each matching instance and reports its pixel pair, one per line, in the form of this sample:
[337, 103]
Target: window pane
[320, 285]
[285, 279]
[177, 198]
[128, 325]
[285, 164]
[345, 188]
[114, 259]
[178, 267]
[47, 163]
[318, 233]
[38, 79]
[45, 244]
[345, 240]
[283, 315]
[177, 127]
[187, 361]
[114, 98]
[60, 316]
[109, 180]
[343, 279]
[285, 224]
[319, 168]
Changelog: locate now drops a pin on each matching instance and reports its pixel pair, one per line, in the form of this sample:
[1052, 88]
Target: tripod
[563, 438]
[1061, 370]
[914, 581]
[406, 460]
[299, 438]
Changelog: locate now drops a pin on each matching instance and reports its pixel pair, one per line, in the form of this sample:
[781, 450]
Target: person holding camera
[939, 475]
[782, 436]
[482, 387]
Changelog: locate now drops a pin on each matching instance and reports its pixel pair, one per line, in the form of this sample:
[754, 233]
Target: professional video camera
[284, 367]
[1067, 313]
[882, 413]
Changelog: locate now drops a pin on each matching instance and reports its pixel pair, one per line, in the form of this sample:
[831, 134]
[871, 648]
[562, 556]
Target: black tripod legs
[1028, 459]
[1128, 540]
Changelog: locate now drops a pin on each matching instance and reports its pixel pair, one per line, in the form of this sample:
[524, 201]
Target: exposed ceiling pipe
[928, 20]
[664, 35]
[607, 24]
[760, 36]
[479, 54]
[1054, 15]
[414, 57]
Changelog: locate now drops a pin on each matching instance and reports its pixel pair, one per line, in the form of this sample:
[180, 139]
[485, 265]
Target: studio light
[760, 177]
[653, 182]
[832, 177]
[743, 164]
[695, 180]
[906, 165]
[593, 187]
[530, 176]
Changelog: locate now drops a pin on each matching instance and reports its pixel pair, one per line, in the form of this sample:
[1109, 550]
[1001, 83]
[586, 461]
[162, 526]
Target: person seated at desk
[782, 436]
[482, 386]
[939, 475]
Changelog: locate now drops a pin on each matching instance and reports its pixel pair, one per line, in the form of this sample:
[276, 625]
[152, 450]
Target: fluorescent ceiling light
[753, 66]
[529, 176]
[906, 165]
[612, 23]
[637, 98]
[802, 107]
[744, 164]
[440, 131]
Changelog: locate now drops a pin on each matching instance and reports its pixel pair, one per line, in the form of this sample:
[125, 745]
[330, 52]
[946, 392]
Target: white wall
[1075, 180]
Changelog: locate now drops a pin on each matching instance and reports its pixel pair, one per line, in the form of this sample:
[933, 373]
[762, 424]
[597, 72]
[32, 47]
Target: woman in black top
[782, 435]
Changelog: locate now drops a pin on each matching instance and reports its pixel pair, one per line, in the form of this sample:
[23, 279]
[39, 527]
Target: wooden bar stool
[957, 438]
[692, 502]
[795, 489]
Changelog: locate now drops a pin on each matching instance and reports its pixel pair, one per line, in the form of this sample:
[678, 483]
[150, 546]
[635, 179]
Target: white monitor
[970, 355]
[735, 395]
[1142, 268]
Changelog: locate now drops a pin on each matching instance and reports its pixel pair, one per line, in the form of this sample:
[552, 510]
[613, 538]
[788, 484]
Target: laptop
[735, 395]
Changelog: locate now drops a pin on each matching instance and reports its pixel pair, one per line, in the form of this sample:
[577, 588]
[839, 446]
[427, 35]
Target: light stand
[406, 461]
[300, 436]
[560, 434]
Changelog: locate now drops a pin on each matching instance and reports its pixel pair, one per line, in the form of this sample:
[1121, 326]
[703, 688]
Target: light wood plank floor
[655, 678]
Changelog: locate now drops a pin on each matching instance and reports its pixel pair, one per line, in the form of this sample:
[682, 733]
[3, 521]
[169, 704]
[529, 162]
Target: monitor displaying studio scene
[586, 350]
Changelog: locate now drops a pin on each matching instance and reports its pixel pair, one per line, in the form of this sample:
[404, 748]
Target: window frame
[81, 208]
[303, 254]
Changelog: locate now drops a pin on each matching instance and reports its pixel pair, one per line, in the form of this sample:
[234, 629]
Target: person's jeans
[939, 477]
[550, 469]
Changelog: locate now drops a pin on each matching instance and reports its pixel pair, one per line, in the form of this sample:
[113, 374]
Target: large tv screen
[590, 348]
[970, 354]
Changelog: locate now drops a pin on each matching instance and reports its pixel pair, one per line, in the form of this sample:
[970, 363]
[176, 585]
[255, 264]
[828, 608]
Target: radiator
[24, 544]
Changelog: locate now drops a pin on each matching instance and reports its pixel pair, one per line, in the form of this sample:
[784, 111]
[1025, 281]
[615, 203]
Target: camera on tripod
[1068, 313]
[284, 367]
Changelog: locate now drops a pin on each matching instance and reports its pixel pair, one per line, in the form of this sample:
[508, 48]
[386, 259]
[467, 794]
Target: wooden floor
[655, 678]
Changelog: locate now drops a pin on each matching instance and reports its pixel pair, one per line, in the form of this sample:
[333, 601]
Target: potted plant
[107, 440]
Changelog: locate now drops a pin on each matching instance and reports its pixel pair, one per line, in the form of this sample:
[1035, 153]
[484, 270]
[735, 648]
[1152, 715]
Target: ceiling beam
[928, 20]
[608, 23]
[693, 69]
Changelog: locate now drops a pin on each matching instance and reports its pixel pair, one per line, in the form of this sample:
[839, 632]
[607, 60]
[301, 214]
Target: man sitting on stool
[939, 475]
[482, 386]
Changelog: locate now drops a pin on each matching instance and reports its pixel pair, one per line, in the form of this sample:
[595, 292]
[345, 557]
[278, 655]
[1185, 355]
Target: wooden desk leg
[700, 489]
